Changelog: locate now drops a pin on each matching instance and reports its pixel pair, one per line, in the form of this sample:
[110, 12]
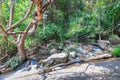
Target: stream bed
[31, 66]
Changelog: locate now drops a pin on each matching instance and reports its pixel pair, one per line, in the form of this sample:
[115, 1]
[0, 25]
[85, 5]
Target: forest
[41, 37]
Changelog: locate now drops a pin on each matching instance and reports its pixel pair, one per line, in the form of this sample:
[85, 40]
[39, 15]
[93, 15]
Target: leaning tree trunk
[20, 36]
[21, 51]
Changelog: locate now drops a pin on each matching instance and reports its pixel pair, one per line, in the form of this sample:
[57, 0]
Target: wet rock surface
[105, 70]
[55, 56]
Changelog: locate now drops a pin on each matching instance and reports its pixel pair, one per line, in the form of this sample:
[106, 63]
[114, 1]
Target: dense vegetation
[66, 19]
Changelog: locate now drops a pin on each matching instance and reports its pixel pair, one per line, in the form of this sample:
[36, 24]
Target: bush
[113, 36]
[13, 62]
[6, 48]
[116, 52]
[50, 32]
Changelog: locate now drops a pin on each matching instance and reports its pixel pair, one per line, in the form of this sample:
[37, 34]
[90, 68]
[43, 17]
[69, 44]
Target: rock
[27, 63]
[5, 70]
[55, 59]
[99, 52]
[103, 44]
[114, 40]
[91, 54]
[42, 54]
[87, 47]
[72, 54]
[110, 49]
[53, 51]
[103, 70]
[27, 69]
[37, 67]
[84, 53]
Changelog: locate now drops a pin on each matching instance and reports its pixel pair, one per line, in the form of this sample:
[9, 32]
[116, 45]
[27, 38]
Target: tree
[19, 37]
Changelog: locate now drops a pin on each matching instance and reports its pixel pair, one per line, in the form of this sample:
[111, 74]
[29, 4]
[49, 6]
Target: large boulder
[55, 59]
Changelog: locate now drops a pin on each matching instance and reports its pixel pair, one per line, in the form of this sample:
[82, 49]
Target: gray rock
[27, 63]
[55, 59]
[115, 40]
[53, 51]
[105, 70]
[27, 69]
[103, 44]
[72, 54]
[88, 47]
[99, 52]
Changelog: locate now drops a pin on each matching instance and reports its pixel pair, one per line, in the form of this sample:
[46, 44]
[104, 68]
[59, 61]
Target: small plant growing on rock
[116, 52]
[13, 62]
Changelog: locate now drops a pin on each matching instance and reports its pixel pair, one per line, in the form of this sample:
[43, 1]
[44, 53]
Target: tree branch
[11, 13]
[26, 15]
[4, 34]
[46, 5]
[14, 33]
[11, 18]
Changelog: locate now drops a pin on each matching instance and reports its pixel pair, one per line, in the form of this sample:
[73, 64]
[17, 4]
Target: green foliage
[13, 62]
[68, 19]
[6, 48]
[20, 9]
[29, 41]
[49, 32]
[113, 36]
[116, 52]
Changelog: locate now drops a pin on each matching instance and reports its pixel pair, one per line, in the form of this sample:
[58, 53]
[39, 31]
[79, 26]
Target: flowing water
[21, 68]
[33, 63]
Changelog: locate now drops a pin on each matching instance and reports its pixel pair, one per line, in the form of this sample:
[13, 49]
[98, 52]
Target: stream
[31, 66]
[28, 64]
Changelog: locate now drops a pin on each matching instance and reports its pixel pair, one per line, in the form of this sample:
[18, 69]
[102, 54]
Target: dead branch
[14, 33]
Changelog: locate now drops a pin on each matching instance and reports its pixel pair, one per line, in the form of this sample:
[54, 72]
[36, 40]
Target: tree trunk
[20, 46]
[21, 51]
